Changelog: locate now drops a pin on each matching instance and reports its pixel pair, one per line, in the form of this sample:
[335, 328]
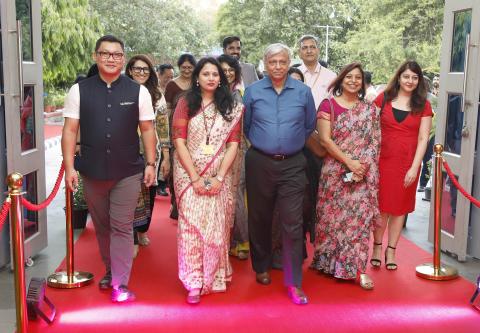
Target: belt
[276, 157]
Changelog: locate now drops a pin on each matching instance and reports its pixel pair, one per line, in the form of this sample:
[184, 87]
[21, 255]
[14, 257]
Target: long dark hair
[152, 82]
[336, 86]
[223, 98]
[419, 95]
[235, 64]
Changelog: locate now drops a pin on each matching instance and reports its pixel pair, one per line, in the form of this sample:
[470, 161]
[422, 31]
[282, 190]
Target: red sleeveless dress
[398, 146]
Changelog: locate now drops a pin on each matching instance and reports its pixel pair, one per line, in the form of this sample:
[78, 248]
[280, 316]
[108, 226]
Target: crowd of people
[252, 165]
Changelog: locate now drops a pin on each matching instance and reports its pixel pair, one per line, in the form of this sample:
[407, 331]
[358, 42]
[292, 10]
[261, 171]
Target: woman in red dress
[406, 119]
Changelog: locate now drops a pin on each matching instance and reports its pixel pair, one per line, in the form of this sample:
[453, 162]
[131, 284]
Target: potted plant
[80, 208]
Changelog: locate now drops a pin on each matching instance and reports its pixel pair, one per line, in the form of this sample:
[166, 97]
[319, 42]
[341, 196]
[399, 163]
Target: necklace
[208, 130]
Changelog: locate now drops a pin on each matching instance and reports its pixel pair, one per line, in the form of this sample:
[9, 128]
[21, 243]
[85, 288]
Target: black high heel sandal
[374, 261]
[391, 266]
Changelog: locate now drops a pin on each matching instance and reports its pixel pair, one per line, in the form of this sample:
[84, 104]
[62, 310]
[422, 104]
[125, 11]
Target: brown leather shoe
[263, 278]
[297, 295]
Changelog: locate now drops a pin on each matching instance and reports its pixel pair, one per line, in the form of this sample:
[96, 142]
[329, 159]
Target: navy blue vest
[108, 126]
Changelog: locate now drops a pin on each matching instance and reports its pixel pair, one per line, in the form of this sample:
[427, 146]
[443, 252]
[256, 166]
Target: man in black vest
[109, 107]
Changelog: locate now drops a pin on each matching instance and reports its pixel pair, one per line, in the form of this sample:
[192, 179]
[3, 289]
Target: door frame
[453, 83]
[31, 160]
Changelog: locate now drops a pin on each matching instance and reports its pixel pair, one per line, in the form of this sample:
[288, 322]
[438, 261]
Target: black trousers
[270, 184]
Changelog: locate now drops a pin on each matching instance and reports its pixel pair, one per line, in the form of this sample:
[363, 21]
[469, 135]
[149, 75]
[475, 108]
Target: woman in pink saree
[206, 134]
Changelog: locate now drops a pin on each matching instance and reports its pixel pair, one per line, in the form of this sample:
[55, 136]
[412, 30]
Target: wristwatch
[219, 178]
[152, 164]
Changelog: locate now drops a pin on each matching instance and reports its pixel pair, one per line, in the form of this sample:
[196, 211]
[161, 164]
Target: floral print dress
[347, 212]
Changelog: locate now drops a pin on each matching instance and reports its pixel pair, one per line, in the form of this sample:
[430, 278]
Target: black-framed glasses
[106, 55]
[138, 70]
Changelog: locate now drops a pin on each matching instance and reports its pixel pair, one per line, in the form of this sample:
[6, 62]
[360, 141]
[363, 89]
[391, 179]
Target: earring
[219, 84]
[198, 84]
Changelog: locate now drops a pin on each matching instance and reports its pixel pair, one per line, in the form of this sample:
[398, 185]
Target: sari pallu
[347, 212]
[205, 221]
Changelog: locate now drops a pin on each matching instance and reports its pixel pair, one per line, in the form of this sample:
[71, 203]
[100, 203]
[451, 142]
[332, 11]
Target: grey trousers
[112, 206]
[279, 184]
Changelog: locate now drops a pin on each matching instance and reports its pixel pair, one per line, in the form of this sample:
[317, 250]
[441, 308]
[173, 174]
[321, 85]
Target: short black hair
[232, 62]
[368, 77]
[163, 67]
[297, 71]
[229, 40]
[186, 57]
[110, 39]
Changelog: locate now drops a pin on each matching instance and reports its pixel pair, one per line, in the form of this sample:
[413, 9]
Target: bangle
[152, 164]
[196, 180]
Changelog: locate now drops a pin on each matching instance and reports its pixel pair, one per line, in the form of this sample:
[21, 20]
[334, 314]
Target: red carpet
[51, 131]
[400, 302]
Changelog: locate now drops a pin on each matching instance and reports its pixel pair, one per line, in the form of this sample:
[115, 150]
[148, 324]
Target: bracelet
[196, 180]
[152, 164]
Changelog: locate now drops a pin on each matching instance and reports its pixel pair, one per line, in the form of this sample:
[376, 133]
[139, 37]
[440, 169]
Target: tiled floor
[47, 261]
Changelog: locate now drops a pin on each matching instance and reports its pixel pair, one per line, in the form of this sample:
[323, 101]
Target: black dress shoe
[263, 278]
[122, 294]
[106, 282]
[162, 192]
[297, 295]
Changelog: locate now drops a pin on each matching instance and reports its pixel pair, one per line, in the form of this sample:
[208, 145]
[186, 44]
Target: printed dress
[204, 221]
[347, 212]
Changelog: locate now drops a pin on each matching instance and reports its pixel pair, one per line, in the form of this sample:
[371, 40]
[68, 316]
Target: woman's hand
[165, 167]
[410, 177]
[216, 186]
[357, 167]
[198, 186]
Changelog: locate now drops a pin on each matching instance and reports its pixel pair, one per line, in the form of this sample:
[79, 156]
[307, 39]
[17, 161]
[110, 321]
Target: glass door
[456, 119]
[23, 105]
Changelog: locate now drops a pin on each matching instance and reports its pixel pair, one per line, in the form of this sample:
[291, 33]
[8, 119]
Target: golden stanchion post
[437, 271]
[15, 182]
[69, 279]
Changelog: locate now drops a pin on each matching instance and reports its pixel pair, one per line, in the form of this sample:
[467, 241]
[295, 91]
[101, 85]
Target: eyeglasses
[229, 70]
[106, 55]
[138, 70]
[186, 68]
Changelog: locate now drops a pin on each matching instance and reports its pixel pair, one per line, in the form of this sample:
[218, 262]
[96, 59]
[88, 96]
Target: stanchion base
[427, 271]
[60, 280]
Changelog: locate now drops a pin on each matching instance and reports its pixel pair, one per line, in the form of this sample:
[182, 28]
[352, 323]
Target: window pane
[27, 119]
[449, 205]
[461, 28]
[453, 132]
[24, 14]
[30, 218]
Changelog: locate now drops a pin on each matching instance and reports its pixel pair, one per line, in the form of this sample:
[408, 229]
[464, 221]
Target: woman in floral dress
[347, 207]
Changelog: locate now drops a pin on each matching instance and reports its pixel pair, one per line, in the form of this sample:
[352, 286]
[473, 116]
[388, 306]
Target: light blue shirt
[279, 123]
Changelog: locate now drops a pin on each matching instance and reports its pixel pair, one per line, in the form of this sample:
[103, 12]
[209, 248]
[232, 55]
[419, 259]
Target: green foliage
[69, 31]
[79, 202]
[379, 33]
[163, 29]
[387, 32]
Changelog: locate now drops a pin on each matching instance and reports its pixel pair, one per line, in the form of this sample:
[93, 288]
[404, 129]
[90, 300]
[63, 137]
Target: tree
[69, 32]
[163, 29]
[387, 32]
[378, 33]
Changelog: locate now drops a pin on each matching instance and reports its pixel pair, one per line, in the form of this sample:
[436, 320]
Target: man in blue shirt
[280, 115]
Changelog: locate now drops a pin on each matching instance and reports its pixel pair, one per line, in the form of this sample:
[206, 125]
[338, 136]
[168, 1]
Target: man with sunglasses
[109, 107]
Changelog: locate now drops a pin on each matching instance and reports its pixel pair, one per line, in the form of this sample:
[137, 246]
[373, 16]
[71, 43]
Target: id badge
[207, 149]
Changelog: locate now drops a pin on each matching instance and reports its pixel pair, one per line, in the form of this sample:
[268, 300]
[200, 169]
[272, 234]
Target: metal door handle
[465, 72]
[20, 61]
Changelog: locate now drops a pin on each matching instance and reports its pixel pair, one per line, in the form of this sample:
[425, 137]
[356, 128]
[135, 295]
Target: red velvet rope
[30, 206]
[458, 186]
[4, 212]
